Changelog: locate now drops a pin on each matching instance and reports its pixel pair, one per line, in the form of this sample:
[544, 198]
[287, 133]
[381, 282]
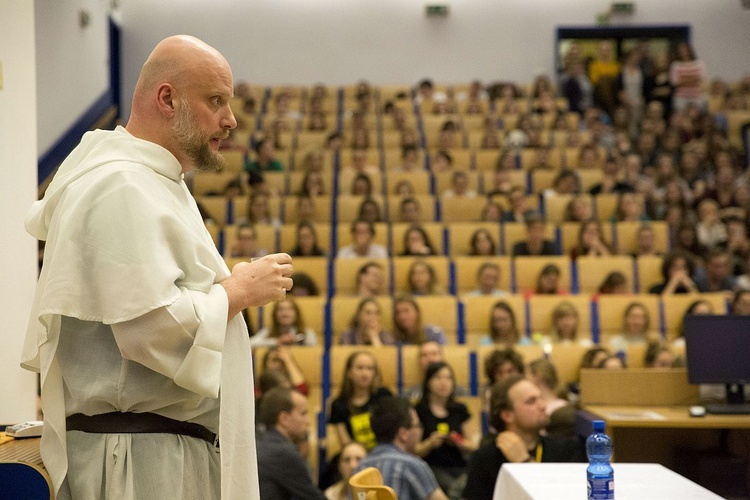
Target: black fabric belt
[137, 423]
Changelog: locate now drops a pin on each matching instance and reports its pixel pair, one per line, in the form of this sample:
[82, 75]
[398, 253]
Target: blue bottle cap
[599, 425]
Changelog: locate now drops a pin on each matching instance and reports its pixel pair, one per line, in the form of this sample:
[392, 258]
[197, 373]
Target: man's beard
[194, 143]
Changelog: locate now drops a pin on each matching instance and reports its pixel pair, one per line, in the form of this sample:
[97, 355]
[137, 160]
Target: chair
[477, 315]
[486, 159]
[462, 158]
[368, 484]
[567, 359]
[322, 209]
[216, 207]
[419, 180]
[649, 271]
[439, 263]
[309, 359]
[589, 178]
[266, 238]
[555, 207]
[211, 183]
[527, 271]
[442, 311]
[307, 140]
[316, 268]
[626, 234]
[592, 271]
[462, 209]
[392, 157]
[434, 231]
[467, 267]
[460, 234]
[606, 205]
[345, 274]
[675, 307]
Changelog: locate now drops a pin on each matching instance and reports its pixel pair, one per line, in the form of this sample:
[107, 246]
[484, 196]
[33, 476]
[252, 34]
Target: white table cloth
[541, 481]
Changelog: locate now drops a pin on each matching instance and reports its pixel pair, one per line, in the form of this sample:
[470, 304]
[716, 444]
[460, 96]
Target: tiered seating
[285, 114]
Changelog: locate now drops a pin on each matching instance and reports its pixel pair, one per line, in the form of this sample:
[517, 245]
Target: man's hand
[256, 283]
[512, 447]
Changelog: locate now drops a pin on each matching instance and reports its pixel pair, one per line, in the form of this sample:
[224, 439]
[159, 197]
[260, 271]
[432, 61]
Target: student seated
[517, 412]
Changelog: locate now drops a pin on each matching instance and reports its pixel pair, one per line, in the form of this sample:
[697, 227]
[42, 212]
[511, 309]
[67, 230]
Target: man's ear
[165, 100]
[507, 416]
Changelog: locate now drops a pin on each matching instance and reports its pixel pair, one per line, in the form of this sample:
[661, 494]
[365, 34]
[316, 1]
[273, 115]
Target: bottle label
[601, 489]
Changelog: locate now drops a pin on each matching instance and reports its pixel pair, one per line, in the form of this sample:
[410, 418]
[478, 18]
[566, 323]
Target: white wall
[72, 64]
[17, 192]
[391, 41]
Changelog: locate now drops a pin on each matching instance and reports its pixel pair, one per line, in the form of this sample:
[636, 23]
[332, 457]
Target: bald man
[144, 359]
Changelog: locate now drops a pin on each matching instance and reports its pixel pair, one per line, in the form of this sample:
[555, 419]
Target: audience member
[363, 234]
[488, 279]
[366, 327]
[717, 275]
[517, 412]
[259, 210]
[591, 241]
[306, 244]
[285, 416]
[519, 210]
[741, 303]
[408, 327]
[280, 359]
[398, 430]
[562, 414]
[287, 327]
[410, 211]
[369, 211]
[635, 328]
[246, 243]
[535, 243]
[614, 283]
[459, 187]
[548, 281]
[370, 280]
[445, 426]
[590, 359]
[659, 355]
[265, 161]
[503, 327]
[565, 326]
[417, 242]
[422, 279]
[304, 285]
[687, 75]
[579, 209]
[612, 363]
[482, 243]
[361, 386]
[350, 457]
[677, 270]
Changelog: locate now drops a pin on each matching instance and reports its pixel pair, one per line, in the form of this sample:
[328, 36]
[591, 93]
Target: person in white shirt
[362, 245]
[135, 329]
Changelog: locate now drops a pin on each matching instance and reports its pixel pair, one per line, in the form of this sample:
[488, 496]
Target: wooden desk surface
[20, 450]
[665, 417]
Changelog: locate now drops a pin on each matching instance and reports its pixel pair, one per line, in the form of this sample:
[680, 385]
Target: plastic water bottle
[599, 474]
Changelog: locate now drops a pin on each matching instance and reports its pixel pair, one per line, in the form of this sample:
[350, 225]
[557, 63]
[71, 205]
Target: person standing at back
[135, 329]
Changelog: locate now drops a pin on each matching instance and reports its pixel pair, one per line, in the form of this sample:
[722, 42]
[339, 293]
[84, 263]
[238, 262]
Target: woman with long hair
[306, 244]
[503, 327]
[361, 386]
[445, 425]
[351, 455]
[591, 241]
[366, 327]
[417, 242]
[422, 279]
[408, 327]
[287, 327]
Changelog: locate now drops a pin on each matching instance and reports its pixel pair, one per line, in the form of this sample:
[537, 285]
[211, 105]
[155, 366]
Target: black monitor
[718, 352]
